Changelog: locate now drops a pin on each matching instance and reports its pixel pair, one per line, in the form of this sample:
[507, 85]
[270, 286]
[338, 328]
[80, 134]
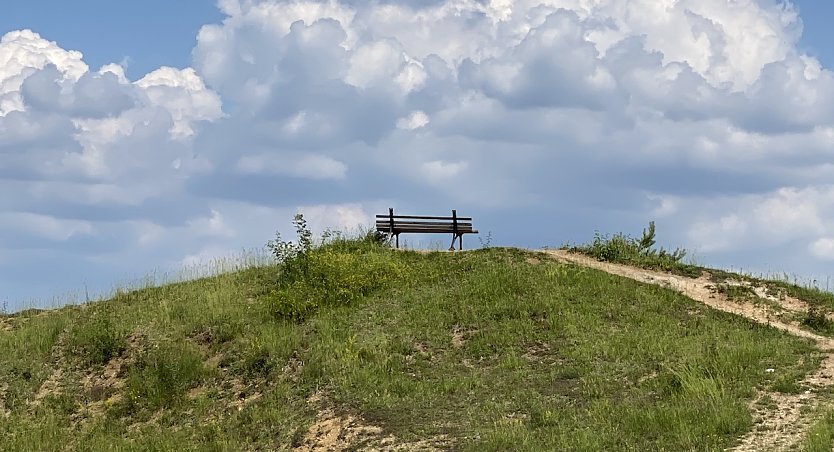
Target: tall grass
[622, 248]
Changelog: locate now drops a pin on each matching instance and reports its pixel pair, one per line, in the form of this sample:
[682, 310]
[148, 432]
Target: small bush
[293, 256]
[817, 320]
[624, 249]
[735, 292]
[334, 278]
[97, 340]
[336, 271]
[162, 375]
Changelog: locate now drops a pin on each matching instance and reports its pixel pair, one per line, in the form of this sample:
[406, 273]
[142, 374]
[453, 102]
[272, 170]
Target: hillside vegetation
[347, 343]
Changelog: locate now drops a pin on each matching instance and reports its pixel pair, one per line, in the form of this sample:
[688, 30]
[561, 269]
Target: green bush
[293, 256]
[817, 320]
[97, 340]
[161, 376]
[335, 271]
[334, 278]
[624, 249]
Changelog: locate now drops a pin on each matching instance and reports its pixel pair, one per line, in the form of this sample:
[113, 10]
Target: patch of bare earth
[778, 428]
[53, 385]
[461, 335]
[6, 324]
[103, 386]
[334, 432]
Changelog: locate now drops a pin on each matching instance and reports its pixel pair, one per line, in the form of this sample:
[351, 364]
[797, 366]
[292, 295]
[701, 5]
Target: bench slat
[468, 230]
[422, 223]
[419, 217]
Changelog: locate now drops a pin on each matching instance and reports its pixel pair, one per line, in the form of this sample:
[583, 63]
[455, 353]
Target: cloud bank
[577, 114]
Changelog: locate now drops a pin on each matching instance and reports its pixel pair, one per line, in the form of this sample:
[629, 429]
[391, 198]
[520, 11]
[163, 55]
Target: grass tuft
[161, 376]
[624, 249]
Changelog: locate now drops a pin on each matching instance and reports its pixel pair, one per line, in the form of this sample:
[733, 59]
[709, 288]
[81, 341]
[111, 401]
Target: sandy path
[776, 429]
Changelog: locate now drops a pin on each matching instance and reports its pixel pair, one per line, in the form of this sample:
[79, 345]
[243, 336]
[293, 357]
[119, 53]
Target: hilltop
[350, 344]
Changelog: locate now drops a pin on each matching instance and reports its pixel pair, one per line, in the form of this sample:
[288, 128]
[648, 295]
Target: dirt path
[778, 428]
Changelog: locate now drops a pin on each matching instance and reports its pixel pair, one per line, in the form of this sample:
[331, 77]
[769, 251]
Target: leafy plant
[292, 256]
[817, 320]
[736, 292]
[333, 278]
[161, 376]
[336, 271]
[97, 340]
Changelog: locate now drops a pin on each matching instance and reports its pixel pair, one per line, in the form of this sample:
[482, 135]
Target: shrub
[817, 320]
[334, 278]
[336, 271]
[625, 249]
[293, 256]
[161, 376]
[97, 340]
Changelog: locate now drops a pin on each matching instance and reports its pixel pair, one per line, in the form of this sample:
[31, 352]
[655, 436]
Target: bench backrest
[426, 224]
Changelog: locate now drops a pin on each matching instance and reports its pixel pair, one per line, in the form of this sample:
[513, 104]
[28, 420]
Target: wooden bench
[395, 225]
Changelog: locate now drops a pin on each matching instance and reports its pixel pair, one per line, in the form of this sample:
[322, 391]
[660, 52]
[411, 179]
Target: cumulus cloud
[583, 115]
[184, 95]
[24, 52]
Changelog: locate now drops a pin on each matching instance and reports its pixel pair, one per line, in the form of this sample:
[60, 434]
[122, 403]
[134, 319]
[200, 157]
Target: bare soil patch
[335, 432]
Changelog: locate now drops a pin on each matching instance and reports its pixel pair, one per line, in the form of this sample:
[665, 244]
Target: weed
[817, 320]
[335, 272]
[486, 242]
[97, 340]
[292, 256]
[736, 292]
[621, 248]
[161, 376]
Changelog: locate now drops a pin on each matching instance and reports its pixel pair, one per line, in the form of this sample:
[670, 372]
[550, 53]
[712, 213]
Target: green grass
[820, 437]
[624, 249]
[733, 292]
[811, 295]
[487, 349]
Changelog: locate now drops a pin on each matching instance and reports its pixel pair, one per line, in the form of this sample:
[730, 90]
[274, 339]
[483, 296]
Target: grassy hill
[354, 345]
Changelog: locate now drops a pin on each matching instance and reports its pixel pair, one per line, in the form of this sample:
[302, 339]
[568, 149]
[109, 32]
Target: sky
[141, 137]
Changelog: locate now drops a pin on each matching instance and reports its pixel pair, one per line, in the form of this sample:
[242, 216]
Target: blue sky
[138, 137]
[146, 34]
[817, 32]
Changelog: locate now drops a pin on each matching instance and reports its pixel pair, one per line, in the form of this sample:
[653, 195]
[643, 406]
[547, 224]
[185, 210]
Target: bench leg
[397, 238]
[460, 242]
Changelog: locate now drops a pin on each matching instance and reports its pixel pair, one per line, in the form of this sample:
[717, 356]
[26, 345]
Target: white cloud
[721, 235]
[43, 226]
[183, 93]
[212, 226]
[342, 217]
[702, 113]
[437, 170]
[823, 249]
[414, 120]
[22, 53]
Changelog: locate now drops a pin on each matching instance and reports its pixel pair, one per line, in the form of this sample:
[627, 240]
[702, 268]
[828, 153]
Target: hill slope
[359, 346]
